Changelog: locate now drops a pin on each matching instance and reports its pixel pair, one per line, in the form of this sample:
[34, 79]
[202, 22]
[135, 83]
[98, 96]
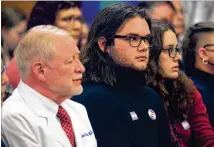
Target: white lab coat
[29, 120]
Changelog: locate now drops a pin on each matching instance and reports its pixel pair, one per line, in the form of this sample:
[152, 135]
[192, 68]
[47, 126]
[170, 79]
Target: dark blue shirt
[205, 84]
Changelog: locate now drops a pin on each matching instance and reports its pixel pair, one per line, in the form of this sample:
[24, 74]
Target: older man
[39, 113]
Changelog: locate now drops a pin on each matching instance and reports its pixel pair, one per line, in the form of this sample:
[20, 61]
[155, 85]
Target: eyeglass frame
[175, 50]
[141, 37]
[207, 46]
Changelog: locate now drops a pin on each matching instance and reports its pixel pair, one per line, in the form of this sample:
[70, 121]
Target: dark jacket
[205, 84]
[121, 116]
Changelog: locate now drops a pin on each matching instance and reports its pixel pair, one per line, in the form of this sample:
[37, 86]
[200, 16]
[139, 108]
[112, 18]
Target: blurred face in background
[178, 20]
[71, 21]
[162, 11]
[84, 36]
[12, 36]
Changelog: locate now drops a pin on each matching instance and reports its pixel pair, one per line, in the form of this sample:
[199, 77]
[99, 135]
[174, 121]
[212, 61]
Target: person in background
[198, 58]
[84, 36]
[39, 112]
[123, 112]
[179, 20]
[13, 74]
[13, 27]
[161, 10]
[4, 80]
[183, 103]
[66, 15]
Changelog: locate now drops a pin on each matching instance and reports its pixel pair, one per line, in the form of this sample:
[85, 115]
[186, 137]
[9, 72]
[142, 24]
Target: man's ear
[102, 43]
[39, 70]
[202, 53]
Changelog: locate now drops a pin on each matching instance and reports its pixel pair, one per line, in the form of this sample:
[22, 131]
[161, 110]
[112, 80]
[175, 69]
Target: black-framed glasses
[135, 40]
[208, 45]
[172, 51]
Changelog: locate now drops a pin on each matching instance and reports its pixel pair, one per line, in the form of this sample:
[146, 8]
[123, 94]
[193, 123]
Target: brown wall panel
[25, 6]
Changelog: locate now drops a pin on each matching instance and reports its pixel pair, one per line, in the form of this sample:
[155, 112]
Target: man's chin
[179, 30]
[140, 68]
[77, 91]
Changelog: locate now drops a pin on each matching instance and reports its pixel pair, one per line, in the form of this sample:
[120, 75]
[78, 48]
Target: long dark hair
[44, 12]
[190, 40]
[99, 65]
[177, 94]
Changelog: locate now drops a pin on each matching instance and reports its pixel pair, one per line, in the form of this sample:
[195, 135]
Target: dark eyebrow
[171, 45]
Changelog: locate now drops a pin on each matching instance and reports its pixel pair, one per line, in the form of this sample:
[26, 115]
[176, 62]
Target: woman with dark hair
[186, 111]
[13, 28]
[63, 14]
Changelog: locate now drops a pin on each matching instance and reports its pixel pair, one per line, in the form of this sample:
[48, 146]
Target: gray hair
[36, 44]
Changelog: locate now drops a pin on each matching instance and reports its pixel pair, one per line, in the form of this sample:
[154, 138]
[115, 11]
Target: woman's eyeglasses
[173, 51]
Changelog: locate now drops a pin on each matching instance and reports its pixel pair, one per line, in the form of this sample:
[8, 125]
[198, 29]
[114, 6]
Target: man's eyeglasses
[208, 45]
[173, 51]
[135, 40]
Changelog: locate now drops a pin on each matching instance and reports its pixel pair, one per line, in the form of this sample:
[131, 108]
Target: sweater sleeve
[201, 128]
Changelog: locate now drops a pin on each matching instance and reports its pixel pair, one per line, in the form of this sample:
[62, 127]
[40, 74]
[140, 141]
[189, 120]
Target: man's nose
[80, 67]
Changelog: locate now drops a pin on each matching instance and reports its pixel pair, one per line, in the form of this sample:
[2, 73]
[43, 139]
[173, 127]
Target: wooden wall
[25, 6]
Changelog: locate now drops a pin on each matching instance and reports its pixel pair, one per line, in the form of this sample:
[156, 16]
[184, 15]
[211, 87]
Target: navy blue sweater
[121, 115]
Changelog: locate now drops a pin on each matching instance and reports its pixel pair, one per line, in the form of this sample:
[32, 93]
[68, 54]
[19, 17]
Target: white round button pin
[152, 114]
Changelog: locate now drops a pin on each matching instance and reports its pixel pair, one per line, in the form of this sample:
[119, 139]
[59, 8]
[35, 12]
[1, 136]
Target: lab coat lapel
[58, 133]
[77, 130]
